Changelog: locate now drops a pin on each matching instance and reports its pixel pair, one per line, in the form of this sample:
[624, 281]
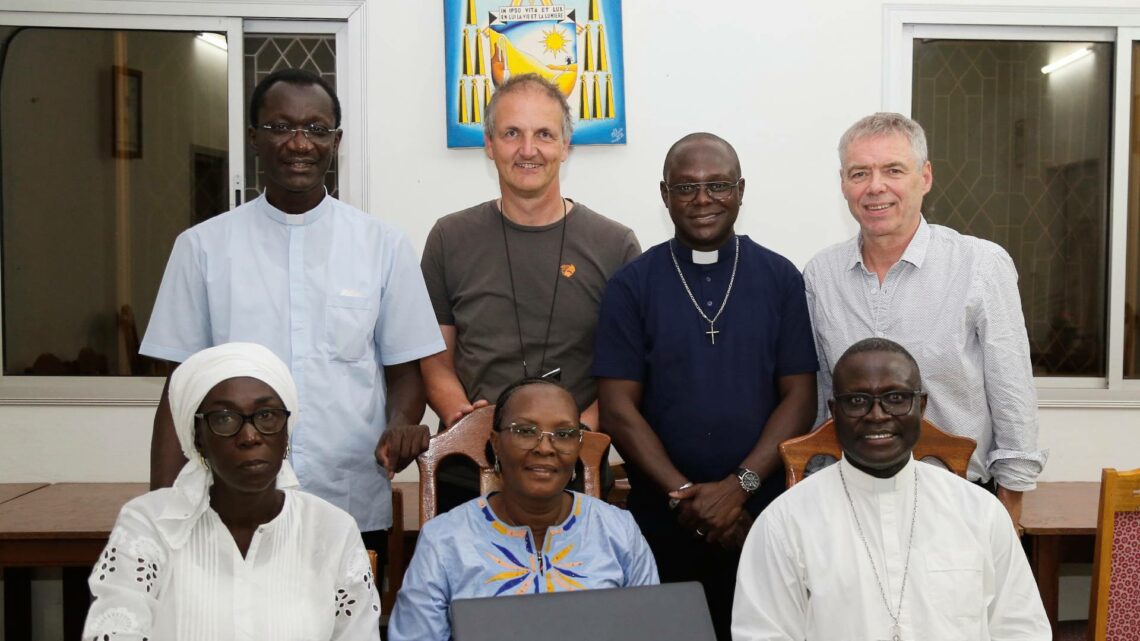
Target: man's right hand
[463, 410]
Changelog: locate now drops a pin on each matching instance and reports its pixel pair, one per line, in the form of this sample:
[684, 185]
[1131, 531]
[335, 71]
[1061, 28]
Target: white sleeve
[771, 597]
[406, 328]
[357, 602]
[125, 583]
[1014, 458]
[1015, 611]
[179, 324]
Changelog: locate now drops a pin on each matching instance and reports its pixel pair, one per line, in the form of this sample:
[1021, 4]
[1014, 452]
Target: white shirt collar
[306, 218]
[859, 479]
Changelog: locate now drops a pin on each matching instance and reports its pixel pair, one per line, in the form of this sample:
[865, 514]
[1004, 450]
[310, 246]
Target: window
[120, 128]
[1043, 159]
[1132, 271]
[114, 141]
[1022, 158]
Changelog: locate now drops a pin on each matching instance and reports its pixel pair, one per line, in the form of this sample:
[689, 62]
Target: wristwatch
[749, 480]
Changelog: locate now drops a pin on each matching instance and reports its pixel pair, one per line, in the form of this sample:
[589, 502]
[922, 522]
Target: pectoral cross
[713, 331]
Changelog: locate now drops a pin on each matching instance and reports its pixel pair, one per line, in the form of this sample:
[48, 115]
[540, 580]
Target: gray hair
[532, 82]
[886, 123]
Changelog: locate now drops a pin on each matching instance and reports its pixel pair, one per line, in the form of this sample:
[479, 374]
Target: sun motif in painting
[549, 571]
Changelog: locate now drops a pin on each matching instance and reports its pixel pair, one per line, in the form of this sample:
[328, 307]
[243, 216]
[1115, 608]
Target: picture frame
[126, 101]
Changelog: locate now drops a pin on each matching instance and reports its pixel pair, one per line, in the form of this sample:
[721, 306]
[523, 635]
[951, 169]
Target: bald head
[698, 140]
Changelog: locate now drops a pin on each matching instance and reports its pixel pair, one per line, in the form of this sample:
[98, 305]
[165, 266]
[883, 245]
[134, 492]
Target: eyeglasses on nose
[280, 132]
[268, 420]
[527, 437]
[894, 403]
[719, 189]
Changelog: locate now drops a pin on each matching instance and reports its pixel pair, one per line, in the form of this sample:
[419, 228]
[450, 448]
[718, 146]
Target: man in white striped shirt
[950, 299]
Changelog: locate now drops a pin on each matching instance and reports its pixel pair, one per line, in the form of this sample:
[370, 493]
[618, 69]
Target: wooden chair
[469, 438]
[393, 579]
[950, 450]
[1114, 605]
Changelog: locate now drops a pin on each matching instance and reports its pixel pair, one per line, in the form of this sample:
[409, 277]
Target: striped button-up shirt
[952, 301]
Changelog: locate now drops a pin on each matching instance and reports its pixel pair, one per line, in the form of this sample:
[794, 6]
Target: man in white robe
[879, 546]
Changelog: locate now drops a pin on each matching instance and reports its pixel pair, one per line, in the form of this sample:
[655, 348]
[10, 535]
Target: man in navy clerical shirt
[705, 362]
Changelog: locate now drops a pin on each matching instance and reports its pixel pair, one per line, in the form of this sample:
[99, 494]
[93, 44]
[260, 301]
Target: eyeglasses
[895, 403]
[718, 190]
[527, 437]
[268, 420]
[281, 132]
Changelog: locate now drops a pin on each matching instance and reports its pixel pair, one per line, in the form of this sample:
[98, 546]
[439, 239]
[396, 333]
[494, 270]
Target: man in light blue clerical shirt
[336, 293]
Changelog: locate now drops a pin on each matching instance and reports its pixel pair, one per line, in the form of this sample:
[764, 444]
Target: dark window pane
[1132, 268]
[1021, 158]
[113, 143]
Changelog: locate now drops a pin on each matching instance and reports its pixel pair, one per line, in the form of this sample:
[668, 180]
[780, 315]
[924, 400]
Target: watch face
[749, 480]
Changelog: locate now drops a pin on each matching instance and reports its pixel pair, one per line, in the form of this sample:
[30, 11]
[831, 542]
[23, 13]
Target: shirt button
[708, 303]
[879, 334]
[708, 279]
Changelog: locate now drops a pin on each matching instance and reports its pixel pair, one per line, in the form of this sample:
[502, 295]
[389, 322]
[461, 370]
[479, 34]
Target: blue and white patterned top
[469, 552]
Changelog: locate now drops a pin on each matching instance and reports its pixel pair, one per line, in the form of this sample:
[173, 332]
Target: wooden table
[1061, 519]
[64, 525]
[9, 491]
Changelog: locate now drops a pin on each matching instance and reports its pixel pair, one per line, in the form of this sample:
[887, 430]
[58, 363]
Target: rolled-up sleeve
[1014, 460]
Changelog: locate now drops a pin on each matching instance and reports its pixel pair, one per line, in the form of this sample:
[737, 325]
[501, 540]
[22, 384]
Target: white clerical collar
[305, 218]
[695, 256]
[705, 258]
[860, 479]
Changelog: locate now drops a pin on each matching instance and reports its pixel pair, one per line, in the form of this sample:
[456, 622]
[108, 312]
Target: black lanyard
[514, 296]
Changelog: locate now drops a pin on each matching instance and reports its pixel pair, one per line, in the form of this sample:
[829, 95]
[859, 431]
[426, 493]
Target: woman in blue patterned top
[533, 536]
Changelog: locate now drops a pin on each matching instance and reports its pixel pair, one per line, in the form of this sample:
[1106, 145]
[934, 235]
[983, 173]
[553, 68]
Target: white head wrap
[188, 387]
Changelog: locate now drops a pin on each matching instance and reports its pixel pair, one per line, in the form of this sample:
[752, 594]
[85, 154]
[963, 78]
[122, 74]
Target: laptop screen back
[674, 611]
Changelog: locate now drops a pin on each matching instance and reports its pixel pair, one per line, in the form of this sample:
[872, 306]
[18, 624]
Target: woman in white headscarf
[233, 550]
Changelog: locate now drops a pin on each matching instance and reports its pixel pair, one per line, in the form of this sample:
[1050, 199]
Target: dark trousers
[682, 557]
[377, 541]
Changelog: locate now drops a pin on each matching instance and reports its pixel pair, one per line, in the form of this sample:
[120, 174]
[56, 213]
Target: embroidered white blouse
[306, 576]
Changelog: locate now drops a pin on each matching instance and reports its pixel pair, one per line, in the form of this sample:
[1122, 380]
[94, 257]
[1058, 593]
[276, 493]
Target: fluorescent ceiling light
[215, 39]
[1066, 61]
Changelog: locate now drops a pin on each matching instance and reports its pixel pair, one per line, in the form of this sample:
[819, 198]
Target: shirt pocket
[956, 584]
[348, 327]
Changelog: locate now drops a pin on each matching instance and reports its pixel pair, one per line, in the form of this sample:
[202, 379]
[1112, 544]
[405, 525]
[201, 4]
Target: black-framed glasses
[894, 403]
[717, 190]
[280, 132]
[267, 420]
[527, 437]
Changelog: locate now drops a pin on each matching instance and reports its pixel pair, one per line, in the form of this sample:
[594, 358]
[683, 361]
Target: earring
[288, 449]
[203, 461]
[497, 468]
[573, 475]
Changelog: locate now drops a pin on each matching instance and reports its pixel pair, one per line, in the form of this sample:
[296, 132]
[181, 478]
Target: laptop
[673, 611]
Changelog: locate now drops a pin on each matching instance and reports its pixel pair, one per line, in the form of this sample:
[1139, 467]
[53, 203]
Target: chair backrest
[1116, 563]
[469, 438]
[950, 450]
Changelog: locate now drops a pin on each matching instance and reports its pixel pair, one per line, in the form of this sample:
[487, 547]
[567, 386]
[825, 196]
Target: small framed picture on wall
[126, 98]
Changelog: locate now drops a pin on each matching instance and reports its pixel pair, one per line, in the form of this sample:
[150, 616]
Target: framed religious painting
[575, 44]
[126, 101]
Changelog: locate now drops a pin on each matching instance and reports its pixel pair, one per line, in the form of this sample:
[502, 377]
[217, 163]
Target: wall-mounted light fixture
[1066, 61]
[214, 39]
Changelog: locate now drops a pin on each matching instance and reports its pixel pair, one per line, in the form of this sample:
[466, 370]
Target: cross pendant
[713, 331]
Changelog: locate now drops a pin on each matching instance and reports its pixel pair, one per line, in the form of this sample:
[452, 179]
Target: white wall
[779, 81]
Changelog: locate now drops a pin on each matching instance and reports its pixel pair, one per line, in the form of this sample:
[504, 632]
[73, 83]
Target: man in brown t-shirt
[516, 281]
